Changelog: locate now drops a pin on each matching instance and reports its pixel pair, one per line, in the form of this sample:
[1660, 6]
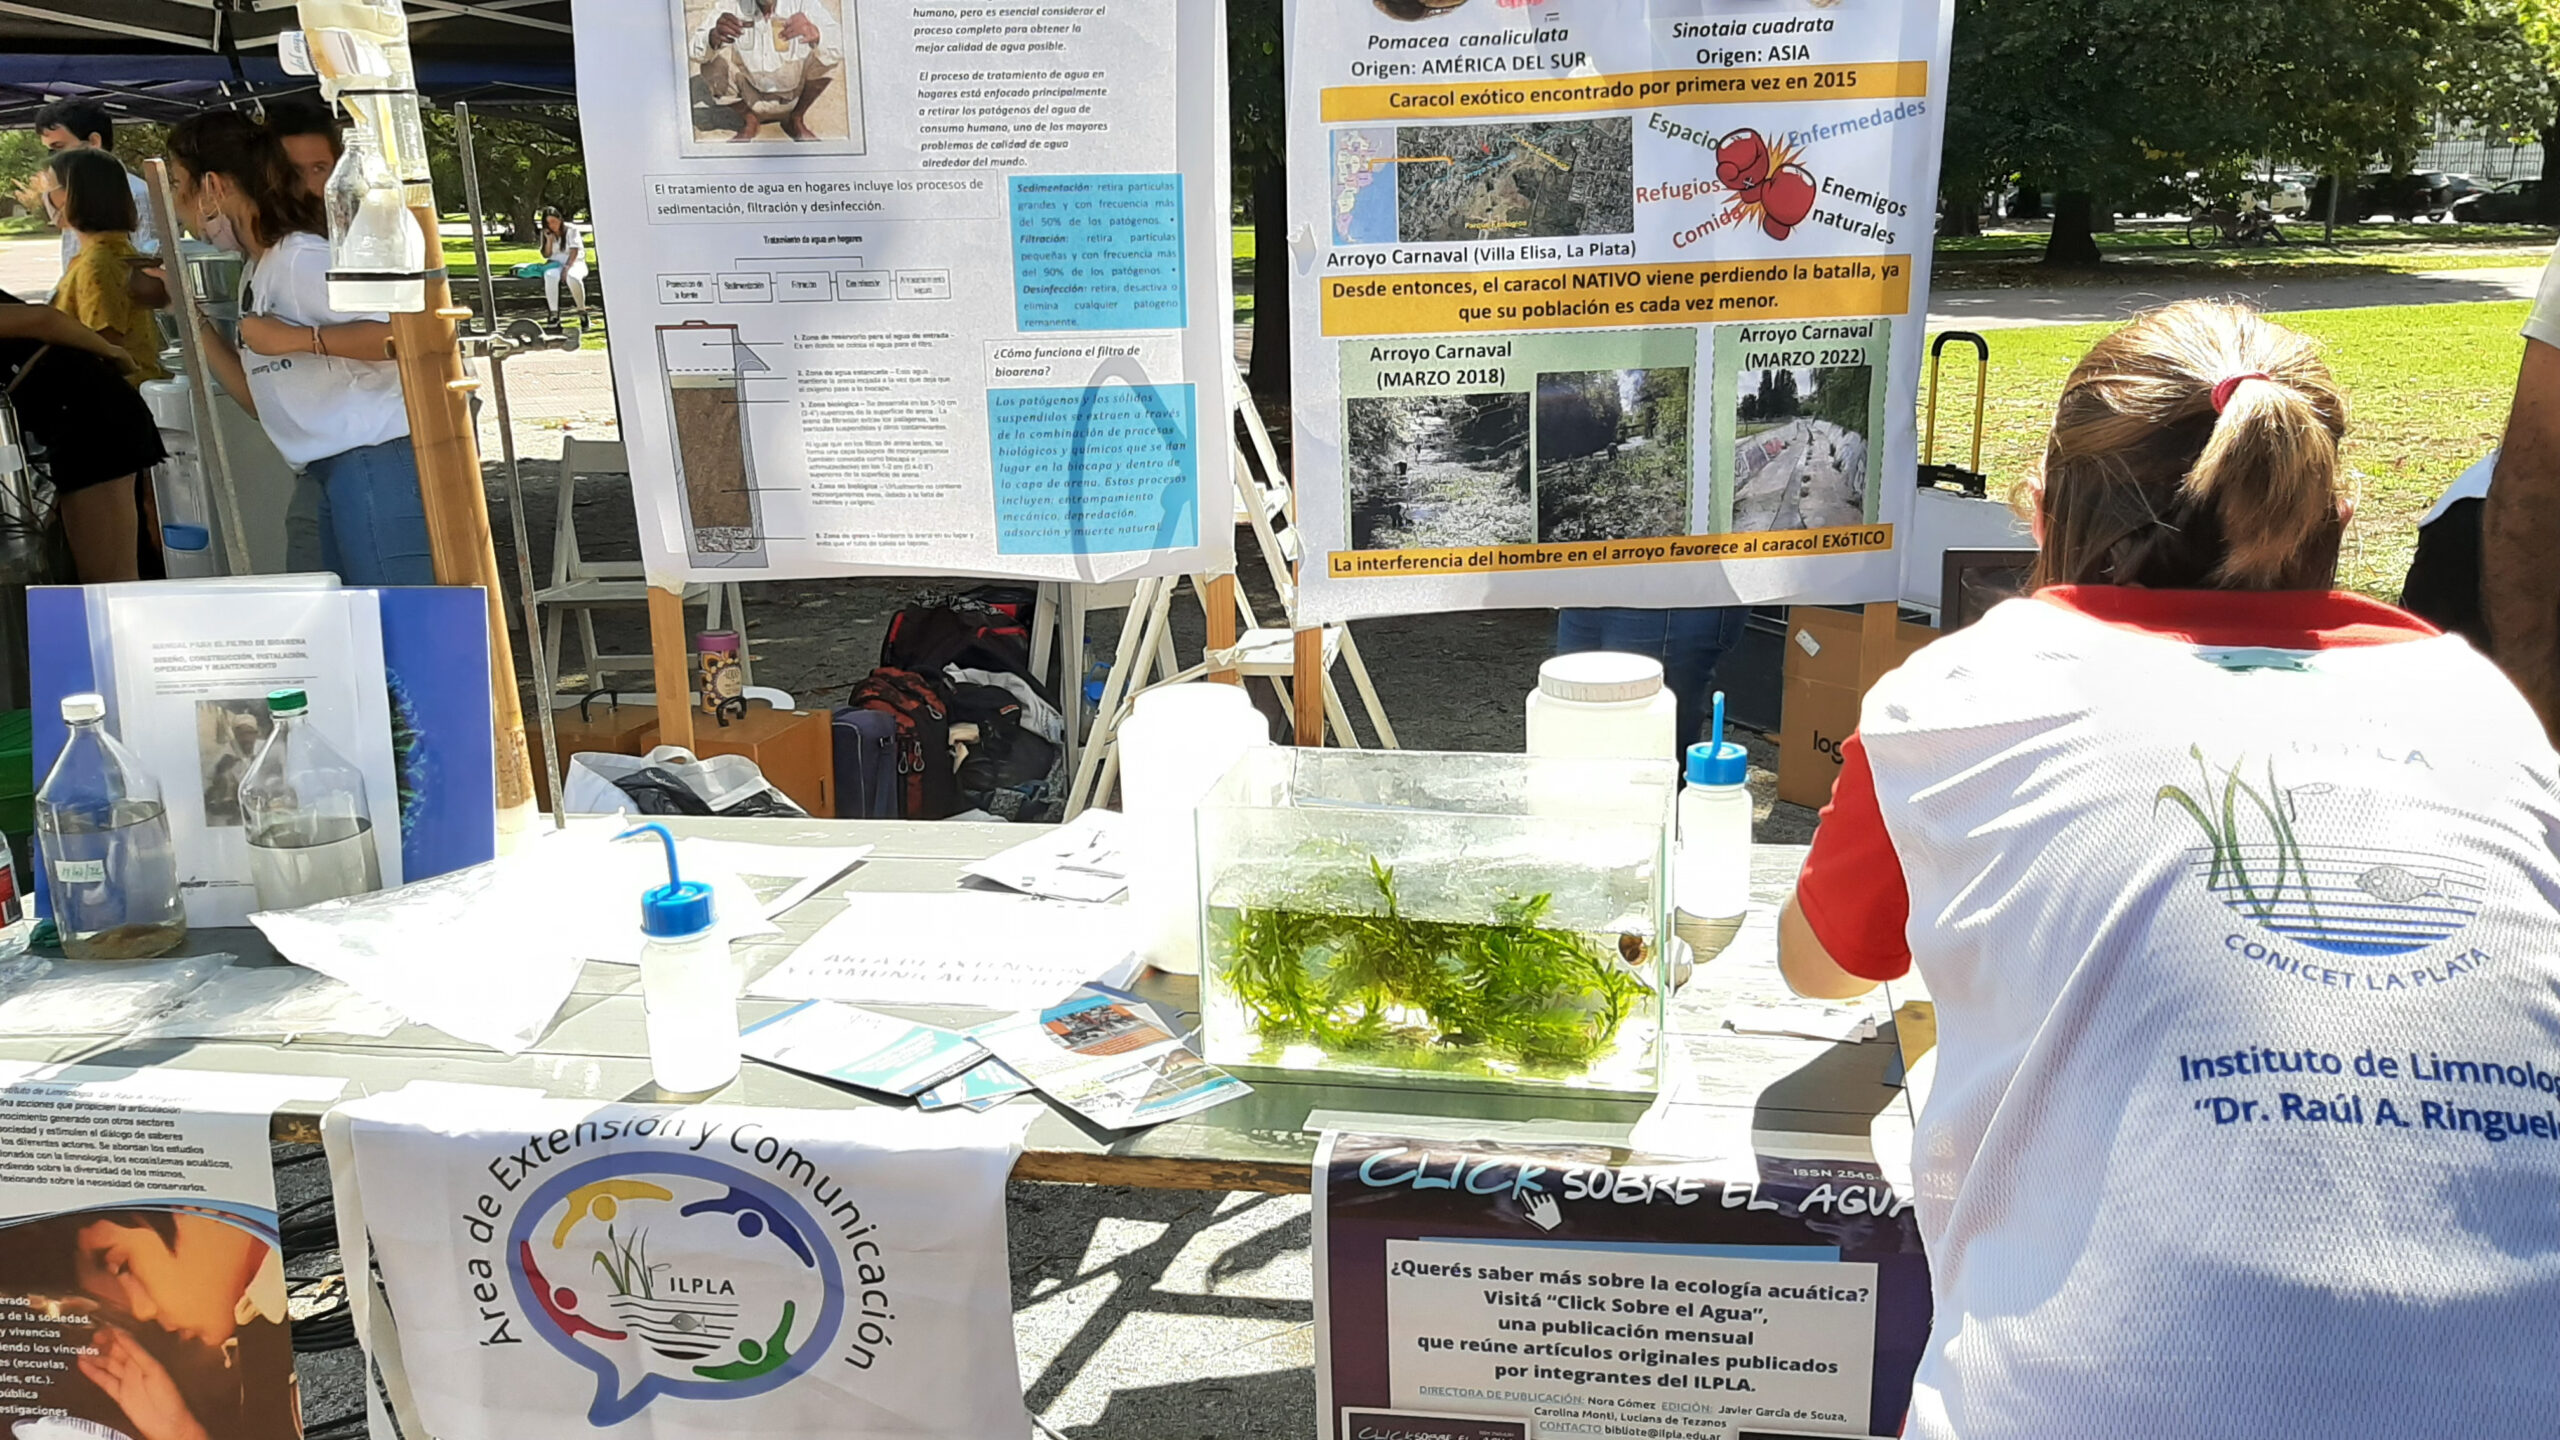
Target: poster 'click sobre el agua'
[1608, 301]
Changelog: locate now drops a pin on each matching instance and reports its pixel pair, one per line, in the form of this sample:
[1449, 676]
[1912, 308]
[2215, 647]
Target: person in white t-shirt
[320, 381]
[2237, 899]
[2520, 520]
[564, 255]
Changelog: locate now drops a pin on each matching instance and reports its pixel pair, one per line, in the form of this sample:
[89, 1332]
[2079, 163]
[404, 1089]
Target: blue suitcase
[866, 745]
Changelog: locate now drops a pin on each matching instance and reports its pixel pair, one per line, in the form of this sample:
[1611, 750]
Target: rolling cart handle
[1981, 392]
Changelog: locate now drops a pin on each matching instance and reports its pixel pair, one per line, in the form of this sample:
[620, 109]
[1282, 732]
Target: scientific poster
[1477, 1292]
[142, 1288]
[1608, 302]
[916, 288]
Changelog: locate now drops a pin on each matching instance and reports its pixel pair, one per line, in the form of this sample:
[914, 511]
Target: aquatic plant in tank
[1496, 918]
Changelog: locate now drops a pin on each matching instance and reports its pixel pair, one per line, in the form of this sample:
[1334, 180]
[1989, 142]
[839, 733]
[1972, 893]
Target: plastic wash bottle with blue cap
[686, 983]
[1711, 879]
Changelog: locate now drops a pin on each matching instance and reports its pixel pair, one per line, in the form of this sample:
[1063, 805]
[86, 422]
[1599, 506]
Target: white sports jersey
[2245, 967]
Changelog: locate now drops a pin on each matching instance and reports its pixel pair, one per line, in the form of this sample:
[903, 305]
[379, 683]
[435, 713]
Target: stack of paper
[1804, 1020]
[986, 951]
[1106, 1057]
[861, 1047]
[1083, 859]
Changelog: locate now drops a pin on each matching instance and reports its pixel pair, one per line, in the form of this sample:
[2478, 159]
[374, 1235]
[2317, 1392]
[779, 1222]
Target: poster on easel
[909, 290]
[1615, 302]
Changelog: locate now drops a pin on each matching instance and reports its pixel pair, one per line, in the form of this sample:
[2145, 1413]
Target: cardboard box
[1820, 695]
[794, 748]
[603, 728]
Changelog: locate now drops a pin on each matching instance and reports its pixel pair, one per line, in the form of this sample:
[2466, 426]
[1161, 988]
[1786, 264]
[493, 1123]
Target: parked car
[2516, 202]
[2402, 197]
[2283, 195]
[2452, 186]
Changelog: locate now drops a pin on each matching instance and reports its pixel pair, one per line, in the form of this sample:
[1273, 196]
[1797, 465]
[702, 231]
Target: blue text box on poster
[1095, 471]
[1097, 252]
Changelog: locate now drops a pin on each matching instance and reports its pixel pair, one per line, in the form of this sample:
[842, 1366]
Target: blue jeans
[1689, 643]
[359, 514]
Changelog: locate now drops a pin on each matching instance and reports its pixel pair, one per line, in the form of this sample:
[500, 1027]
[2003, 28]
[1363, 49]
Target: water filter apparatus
[378, 258]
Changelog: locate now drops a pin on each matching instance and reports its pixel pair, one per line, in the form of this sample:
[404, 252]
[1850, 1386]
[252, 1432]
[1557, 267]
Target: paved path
[30, 266]
[2089, 304]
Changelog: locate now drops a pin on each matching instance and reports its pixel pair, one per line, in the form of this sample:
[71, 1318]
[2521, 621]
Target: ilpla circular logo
[670, 1274]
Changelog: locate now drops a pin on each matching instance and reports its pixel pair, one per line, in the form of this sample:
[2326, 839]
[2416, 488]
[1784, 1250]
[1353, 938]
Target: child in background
[97, 205]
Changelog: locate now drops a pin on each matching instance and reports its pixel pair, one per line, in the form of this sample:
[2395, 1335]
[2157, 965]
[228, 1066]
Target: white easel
[1145, 657]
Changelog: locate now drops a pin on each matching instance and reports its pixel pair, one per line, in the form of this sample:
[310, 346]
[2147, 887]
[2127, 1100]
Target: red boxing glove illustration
[1785, 200]
[1742, 164]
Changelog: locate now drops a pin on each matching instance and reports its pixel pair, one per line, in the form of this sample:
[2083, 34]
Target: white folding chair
[580, 586]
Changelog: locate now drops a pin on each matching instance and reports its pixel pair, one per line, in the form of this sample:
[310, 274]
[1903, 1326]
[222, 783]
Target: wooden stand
[437, 393]
[1221, 603]
[1307, 698]
[670, 652]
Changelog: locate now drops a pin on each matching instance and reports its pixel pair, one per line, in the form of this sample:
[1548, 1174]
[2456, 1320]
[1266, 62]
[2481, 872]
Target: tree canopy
[2100, 98]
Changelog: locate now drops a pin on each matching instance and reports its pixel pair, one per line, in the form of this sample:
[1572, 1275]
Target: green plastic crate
[17, 772]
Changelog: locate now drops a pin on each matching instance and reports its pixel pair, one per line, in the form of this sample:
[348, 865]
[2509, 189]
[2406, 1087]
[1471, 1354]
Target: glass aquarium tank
[1485, 918]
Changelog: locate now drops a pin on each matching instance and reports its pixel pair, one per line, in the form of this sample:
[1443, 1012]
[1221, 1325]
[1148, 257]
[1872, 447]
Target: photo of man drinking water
[772, 71]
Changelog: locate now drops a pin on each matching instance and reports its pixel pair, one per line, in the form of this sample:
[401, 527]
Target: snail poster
[1609, 302]
[918, 289]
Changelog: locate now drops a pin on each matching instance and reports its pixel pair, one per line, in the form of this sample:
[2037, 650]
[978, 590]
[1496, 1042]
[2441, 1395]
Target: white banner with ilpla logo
[561, 1268]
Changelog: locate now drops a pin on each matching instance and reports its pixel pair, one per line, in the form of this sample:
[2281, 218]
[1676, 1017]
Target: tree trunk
[2072, 242]
[2546, 197]
[1269, 374]
[2102, 214]
[537, 183]
[1960, 212]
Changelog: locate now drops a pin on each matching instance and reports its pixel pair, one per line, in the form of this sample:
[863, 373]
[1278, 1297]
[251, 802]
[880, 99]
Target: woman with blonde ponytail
[2238, 901]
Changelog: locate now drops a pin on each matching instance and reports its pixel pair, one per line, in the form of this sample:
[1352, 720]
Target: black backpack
[963, 632]
[920, 706]
[1003, 769]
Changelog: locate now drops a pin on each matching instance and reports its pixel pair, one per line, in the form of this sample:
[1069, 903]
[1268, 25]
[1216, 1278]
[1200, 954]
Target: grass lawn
[2134, 236]
[2427, 391]
[459, 260]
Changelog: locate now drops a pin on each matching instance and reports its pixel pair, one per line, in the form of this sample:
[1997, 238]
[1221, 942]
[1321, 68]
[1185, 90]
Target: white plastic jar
[1603, 705]
[1178, 741]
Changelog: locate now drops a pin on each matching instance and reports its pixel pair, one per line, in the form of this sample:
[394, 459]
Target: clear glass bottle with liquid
[303, 805]
[110, 867]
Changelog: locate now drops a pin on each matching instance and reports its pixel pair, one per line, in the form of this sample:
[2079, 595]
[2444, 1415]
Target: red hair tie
[2222, 391]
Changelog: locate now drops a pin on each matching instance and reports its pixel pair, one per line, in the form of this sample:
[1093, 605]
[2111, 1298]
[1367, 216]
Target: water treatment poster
[1608, 301]
[1483, 1292]
[916, 288]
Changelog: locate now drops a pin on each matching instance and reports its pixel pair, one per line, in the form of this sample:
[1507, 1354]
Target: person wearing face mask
[81, 124]
[320, 381]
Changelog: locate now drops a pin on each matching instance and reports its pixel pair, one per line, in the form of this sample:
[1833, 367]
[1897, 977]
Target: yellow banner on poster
[1590, 554]
[1600, 297]
[1582, 94]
